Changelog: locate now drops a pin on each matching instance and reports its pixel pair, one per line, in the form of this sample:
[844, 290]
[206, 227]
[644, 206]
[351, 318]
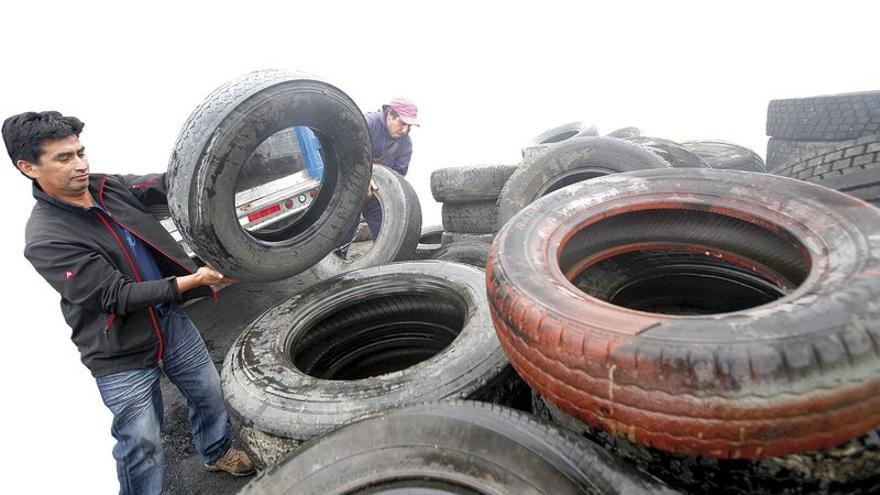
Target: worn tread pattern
[474, 217]
[782, 152]
[677, 155]
[469, 183]
[721, 154]
[449, 237]
[853, 168]
[825, 118]
[472, 253]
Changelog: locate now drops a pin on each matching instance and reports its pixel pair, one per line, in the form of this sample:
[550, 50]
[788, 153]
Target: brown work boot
[234, 462]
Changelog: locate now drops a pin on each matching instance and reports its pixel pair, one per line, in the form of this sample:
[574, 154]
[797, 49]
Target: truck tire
[468, 252]
[220, 135]
[448, 238]
[677, 155]
[423, 325]
[570, 162]
[399, 235]
[555, 135]
[474, 217]
[758, 341]
[429, 242]
[852, 468]
[440, 447]
[853, 168]
[625, 133]
[469, 183]
[724, 155]
[782, 152]
[825, 118]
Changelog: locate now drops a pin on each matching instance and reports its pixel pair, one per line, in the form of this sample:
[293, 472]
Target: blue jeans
[135, 399]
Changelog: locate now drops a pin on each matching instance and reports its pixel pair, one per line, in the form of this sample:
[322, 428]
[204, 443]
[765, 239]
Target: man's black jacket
[80, 252]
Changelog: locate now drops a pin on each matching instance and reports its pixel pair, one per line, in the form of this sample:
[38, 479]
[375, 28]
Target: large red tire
[777, 352]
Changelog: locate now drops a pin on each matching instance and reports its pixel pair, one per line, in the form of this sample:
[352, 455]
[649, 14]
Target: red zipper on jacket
[137, 278]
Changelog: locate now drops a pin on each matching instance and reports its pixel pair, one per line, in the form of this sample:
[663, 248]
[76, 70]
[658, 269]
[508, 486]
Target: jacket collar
[96, 182]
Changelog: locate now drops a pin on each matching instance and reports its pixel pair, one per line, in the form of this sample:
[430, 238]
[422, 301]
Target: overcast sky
[486, 75]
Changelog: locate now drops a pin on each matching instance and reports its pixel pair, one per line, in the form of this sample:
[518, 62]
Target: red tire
[776, 283]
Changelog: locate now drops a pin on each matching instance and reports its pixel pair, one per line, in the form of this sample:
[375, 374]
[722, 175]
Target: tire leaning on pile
[795, 371]
[339, 352]
[219, 137]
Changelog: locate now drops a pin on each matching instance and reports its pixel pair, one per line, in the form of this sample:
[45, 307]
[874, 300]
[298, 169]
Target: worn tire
[399, 235]
[852, 468]
[782, 152]
[448, 238]
[474, 217]
[853, 168]
[276, 405]
[468, 252]
[569, 162]
[625, 133]
[558, 134]
[677, 155]
[798, 372]
[429, 242]
[724, 155]
[469, 183]
[440, 447]
[218, 138]
[825, 118]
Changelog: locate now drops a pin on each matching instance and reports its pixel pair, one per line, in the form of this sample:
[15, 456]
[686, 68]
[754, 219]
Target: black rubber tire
[825, 118]
[448, 238]
[794, 374]
[468, 252]
[569, 162]
[399, 235]
[429, 242]
[220, 135]
[275, 406]
[469, 183]
[853, 169]
[443, 447]
[625, 133]
[782, 152]
[853, 468]
[724, 155]
[677, 155]
[558, 134]
[474, 217]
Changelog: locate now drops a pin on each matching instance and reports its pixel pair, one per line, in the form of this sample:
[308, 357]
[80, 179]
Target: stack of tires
[829, 140]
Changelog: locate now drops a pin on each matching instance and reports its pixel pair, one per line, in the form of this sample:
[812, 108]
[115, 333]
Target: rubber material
[724, 155]
[625, 133]
[469, 183]
[475, 217]
[468, 252]
[444, 447]
[825, 118]
[220, 135]
[275, 406]
[782, 152]
[448, 238]
[796, 374]
[429, 242]
[677, 155]
[558, 134]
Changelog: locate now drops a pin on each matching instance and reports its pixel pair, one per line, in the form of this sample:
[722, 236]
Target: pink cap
[407, 110]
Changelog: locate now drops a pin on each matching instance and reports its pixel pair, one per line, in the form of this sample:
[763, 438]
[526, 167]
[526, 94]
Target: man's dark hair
[24, 133]
[389, 111]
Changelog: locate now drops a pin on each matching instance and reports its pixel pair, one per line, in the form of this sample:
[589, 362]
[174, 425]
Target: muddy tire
[677, 155]
[569, 162]
[467, 252]
[755, 337]
[220, 136]
[423, 326]
[429, 242]
[852, 468]
[475, 217]
[399, 235]
[448, 238]
[434, 448]
[853, 168]
[724, 155]
[469, 183]
[825, 118]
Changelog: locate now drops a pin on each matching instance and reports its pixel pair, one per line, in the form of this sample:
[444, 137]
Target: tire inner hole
[378, 336]
[683, 262]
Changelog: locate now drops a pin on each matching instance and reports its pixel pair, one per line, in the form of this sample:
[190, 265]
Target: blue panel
[311, 150]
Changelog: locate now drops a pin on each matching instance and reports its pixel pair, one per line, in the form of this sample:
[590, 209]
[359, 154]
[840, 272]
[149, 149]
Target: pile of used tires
[656, 320]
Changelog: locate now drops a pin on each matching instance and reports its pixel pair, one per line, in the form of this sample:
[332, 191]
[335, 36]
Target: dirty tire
[567, 163]
[448, 238]
[217, 140]
[625, 133]
[852, 468]
[468, 252]
[853, 168]
[558, 134]
[429, 242]
[724, 155]
[469, 183]
[825, 118]
[362, 234]
[795, 371]
[677, 155]
[440, 447]
[399, 235]
[475, 217]
[782, 152]
[267, 393]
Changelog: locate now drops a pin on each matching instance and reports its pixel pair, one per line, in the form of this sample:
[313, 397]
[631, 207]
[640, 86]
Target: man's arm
[151, 189]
